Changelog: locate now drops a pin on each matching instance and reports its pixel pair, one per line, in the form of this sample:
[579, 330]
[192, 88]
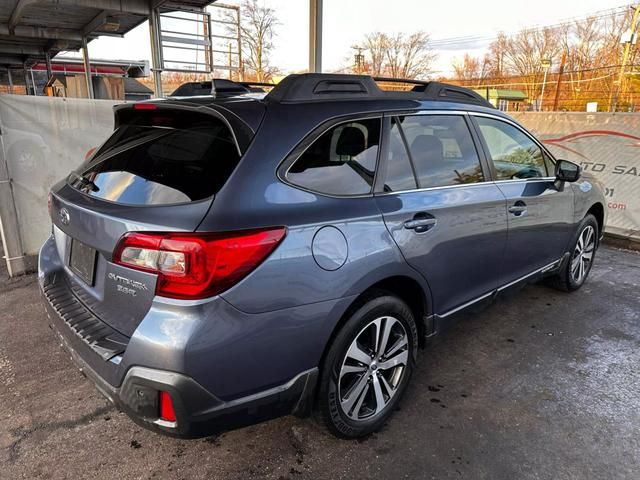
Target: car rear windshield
[161, 158]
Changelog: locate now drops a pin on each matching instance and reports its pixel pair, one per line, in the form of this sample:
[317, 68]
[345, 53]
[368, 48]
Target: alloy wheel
[373, 368]
[583, 254]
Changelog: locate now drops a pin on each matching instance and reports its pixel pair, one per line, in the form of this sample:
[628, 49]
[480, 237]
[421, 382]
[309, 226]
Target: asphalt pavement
[540, 385]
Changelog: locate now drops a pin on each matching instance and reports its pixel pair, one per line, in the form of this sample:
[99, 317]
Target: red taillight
[196, 265]
[144, 106]
[49, 203]
[166, 411]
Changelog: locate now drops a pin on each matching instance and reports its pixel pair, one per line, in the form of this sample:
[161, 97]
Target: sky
[346, 22]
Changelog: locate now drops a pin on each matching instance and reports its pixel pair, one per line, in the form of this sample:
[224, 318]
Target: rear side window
[161, 162]
[514, 154]
[442, 150]
[342, 161]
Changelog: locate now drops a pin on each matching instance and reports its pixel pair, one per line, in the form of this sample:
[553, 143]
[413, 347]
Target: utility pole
[546, 65]
[560, 72]
[613, 105]
[358, 59]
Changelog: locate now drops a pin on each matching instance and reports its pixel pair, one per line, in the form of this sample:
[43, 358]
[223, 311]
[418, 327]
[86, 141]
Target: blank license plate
[82, 261]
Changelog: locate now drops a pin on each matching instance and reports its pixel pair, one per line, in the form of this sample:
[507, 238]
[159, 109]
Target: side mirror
[567, 171]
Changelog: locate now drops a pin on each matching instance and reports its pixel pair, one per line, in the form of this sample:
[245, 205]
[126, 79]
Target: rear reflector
[197, 265]
[166, 407]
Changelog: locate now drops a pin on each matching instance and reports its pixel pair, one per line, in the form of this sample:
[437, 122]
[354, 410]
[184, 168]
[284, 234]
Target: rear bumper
[198, 412]
[131, 372]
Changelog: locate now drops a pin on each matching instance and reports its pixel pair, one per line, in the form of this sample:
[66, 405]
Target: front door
[540, 215]
[447, 219]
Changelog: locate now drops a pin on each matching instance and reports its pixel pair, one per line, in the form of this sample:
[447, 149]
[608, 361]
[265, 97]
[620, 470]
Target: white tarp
[606, 145]
[43, 139]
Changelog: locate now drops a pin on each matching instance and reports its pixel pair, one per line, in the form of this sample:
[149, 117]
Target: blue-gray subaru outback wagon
[225, 259]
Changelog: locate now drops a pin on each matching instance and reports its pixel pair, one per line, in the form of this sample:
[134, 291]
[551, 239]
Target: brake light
[197, 265]
[144, 106]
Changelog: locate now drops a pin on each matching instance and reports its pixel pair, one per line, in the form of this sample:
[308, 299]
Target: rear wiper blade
[84, 181]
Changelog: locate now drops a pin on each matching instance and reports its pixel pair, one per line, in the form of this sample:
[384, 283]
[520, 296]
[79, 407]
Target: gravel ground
[539, 385]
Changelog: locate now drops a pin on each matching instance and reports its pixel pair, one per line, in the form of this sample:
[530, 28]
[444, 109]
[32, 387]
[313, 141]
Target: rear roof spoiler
[312, 87]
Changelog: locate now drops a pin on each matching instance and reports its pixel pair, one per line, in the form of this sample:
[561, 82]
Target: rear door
[539, 213]
[448, 220]
[159, 171]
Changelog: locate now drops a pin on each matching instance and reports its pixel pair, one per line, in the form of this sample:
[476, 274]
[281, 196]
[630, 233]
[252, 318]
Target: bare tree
[525, 53]
[399, 55]
[472, 70]
[495, 56]
[376, 44]
[257, 30]
[409, 56]
[583, 41]
[593, 54]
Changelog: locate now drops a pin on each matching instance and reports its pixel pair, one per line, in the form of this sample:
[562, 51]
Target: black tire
[565, 279]
[388, 310]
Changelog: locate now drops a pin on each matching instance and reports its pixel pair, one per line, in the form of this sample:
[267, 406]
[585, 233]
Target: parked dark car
[220, 261]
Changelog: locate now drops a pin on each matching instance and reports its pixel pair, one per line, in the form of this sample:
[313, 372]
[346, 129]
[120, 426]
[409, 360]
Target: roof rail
[400, 80]
[318, 87]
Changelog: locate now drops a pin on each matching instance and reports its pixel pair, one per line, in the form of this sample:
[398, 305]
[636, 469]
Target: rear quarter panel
[255, 197]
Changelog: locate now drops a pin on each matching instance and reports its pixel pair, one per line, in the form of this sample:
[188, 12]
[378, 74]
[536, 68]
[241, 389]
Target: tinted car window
[399, 175]
[442, 150]
[342, 161]
[157, 165]
[514, 154]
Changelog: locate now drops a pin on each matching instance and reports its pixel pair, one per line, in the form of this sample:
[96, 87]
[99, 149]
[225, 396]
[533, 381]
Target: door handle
[518, 208]
[420, 224]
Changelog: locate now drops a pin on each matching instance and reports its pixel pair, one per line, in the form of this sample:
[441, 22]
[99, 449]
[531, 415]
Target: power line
[532, 84]
[466, 39]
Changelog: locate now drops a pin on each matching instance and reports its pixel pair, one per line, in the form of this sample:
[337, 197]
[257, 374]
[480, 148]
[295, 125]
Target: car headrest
[351, 142]
[427, 146]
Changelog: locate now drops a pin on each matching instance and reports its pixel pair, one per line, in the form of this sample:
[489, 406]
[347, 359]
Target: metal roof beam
[134, 7]
[96, 23]
[103, 19]
[41, 32]
[21, 50]
[17, 13]
[15, 61]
